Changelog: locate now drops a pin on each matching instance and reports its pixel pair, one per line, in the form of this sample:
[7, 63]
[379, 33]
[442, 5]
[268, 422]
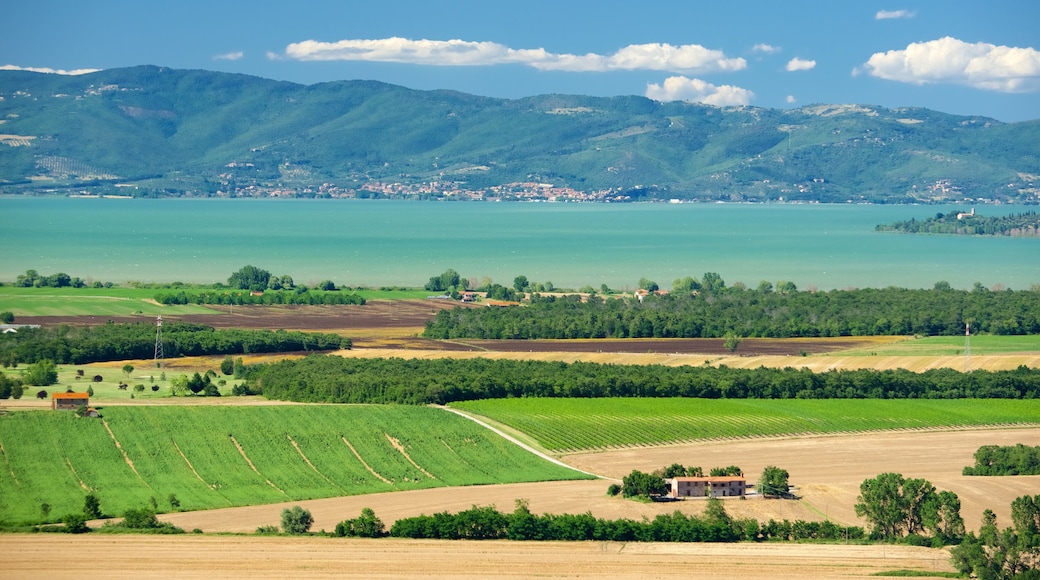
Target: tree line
[713, 311]
[487, 523]
[1005, 460]
[82, 345]
[1026, 224]
[300, 295]
[333, 379]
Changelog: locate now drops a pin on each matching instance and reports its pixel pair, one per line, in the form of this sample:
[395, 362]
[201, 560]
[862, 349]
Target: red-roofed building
[69, 401]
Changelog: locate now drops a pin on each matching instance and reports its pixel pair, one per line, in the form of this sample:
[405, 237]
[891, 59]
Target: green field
[297, 452]
[562, 425]
[129, 301]
[87, 302]
[952, 346]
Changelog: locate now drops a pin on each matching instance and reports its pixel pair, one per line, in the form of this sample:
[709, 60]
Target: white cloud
[790, 99]
[949, 60]
[890, 14]
[680, 88]
[766, 48]
[80, 71]
[664, 57]
[230, 55]
[800, 64]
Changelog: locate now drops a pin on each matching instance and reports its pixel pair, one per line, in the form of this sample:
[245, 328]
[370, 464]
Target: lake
[404, 243]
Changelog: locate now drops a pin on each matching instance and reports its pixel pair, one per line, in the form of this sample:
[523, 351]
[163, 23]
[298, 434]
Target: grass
[982, 344]
[88, 302]
[224, 456]
[565, 425]
[107, 390]
[129, 301]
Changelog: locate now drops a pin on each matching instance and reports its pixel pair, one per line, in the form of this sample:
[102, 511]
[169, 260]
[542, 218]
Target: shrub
[75, 524]
[267, 530]
[367, 525]
[296, 520]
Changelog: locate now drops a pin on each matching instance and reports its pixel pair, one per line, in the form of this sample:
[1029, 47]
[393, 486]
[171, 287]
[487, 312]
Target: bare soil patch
[235, 557]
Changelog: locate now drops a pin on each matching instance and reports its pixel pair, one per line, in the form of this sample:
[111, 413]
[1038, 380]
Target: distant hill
[156, 131]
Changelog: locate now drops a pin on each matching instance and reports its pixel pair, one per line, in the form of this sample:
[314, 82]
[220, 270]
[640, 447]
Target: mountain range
[154, 131]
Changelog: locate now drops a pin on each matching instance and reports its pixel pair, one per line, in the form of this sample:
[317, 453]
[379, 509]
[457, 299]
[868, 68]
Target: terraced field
[230, 456]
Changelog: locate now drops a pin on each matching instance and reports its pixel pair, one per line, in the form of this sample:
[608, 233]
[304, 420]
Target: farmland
[225, 456]
[569, 425]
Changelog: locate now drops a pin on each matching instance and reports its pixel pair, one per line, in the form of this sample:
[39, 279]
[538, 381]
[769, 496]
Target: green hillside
[159, 131]
[213, 457]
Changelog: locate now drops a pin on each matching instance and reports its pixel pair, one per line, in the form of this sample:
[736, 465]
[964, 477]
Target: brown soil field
[242, 557]
[384, 328]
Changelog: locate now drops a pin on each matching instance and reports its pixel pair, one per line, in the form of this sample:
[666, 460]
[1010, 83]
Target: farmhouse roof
[70, 396]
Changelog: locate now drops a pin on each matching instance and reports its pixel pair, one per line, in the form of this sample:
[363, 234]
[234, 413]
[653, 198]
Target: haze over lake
[404, 243]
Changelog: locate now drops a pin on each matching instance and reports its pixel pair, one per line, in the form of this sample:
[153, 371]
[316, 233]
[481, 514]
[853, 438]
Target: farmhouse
[69, 401]
[717, 486]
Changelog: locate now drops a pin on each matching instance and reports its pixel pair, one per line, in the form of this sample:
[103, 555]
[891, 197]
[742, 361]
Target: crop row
[194, 453]
[580, 424]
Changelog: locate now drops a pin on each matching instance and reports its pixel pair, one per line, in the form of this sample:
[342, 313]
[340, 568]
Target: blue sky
[970, 58]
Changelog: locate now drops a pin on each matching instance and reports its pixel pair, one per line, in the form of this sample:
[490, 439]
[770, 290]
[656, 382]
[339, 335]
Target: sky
[955, 56]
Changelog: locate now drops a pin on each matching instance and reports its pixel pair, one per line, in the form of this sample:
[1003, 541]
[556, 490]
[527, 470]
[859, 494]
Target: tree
[41, 394]
[520, 283]
[128, 369]
[898, 506]
[140, 519]
[732, 341]
[249, 278]
[881, 502]
[227, 366]
[175, 504]
[138, 389]
[41, 373]
[648, 285]
[7, 317]
[75, 524]
[296, 520]
[196, 384]
[446, 282]
[367, 525]
[45, 512]
[642, 484]
[327, 285]
[674, 470]
[712, 283]
[91, 507]
[773, 482]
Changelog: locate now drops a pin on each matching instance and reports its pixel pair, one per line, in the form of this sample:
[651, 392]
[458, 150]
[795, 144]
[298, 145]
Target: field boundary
[400, 449]
[367, 466]
[126, 457]
[308, 461]
[802, 435]
[253, 467]
[8, 464]
[517, 442]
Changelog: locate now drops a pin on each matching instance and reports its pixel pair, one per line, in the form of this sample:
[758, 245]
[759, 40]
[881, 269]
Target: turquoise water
[374, 243]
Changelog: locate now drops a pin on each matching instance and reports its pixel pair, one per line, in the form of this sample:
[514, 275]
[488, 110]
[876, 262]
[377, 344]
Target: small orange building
[717, 486]
[69, 401]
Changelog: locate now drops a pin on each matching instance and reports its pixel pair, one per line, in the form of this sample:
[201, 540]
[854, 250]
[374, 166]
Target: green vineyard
[211, 457]
[562, 425]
